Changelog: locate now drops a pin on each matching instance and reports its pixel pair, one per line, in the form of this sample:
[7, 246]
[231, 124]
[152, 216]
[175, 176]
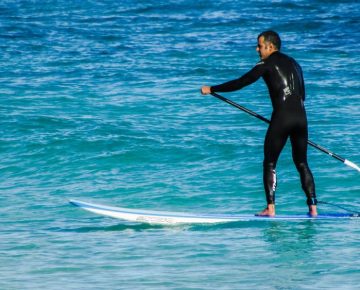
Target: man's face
[264, 48]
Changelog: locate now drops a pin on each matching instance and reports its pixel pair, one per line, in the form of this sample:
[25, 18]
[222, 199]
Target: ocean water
[100, 102]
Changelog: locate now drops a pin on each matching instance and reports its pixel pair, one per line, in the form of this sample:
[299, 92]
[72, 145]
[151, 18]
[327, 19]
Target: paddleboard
[174, 218]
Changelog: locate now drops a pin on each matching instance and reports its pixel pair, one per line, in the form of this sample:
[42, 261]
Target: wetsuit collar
[274, 53]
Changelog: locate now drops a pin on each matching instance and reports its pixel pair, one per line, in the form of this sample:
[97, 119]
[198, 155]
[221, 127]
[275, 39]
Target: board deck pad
[173, 218]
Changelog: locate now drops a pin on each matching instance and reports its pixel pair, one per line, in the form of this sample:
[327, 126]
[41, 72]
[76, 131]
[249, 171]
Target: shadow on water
[139, 227]
[292, 239]
[114, 228]
[274, 232]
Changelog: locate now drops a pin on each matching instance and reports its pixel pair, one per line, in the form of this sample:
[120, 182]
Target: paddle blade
[351, 164]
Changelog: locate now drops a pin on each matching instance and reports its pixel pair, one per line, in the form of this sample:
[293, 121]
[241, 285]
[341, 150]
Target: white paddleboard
[174, 218]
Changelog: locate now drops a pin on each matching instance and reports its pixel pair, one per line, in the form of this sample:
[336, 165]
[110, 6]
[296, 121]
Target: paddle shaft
[332, 154]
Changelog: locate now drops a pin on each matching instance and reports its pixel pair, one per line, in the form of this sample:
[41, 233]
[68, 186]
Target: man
[284, 79]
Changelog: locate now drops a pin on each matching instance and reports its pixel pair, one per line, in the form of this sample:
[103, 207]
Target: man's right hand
[205, 90]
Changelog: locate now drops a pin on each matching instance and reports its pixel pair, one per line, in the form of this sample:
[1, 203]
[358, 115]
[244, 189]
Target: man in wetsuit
[284, 79]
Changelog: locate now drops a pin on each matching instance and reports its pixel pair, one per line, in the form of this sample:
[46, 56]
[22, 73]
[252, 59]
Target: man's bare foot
[313, 211]
[269, 211]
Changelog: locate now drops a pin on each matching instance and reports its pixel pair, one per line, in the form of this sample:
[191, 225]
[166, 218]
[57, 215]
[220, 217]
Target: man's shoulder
[282, 57]
[285, 56]
[261, 62]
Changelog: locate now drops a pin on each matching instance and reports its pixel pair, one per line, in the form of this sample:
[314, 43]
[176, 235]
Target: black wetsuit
[284, 79]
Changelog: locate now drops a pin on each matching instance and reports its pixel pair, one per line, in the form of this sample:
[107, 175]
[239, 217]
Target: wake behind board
[174, 218]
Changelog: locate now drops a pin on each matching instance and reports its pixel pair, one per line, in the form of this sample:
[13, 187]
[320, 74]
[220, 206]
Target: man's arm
[250, 77]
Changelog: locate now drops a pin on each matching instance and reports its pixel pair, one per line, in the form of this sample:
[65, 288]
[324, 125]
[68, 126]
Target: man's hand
[205, 90]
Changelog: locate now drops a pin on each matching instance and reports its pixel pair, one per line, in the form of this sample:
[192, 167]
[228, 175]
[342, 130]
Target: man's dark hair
[271, 36]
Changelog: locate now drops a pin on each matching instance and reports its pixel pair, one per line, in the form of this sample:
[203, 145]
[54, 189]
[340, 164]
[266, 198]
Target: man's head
[268, 42]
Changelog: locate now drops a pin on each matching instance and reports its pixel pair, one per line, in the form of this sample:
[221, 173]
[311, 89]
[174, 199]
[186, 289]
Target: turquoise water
[100, 102]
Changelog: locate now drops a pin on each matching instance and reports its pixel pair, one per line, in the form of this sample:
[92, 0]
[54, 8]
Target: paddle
[345, 161]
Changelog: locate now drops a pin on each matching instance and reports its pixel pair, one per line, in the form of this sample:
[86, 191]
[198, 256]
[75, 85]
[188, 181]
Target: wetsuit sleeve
[250, 77]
